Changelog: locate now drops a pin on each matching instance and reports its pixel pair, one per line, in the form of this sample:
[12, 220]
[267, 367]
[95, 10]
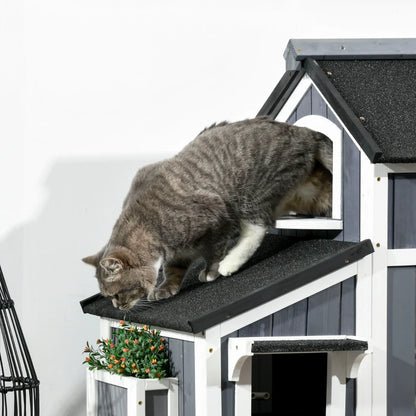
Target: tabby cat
[233, 178]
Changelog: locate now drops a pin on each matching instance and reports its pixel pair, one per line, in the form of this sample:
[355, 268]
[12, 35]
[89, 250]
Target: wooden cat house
[321, 321]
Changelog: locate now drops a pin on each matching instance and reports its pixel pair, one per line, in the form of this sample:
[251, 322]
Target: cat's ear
[111, 265]
[93, 260]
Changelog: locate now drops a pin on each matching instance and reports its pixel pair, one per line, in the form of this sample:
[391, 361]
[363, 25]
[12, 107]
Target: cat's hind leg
[251, 236]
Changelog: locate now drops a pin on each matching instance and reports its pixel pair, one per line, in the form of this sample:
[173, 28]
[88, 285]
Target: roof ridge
[341, 49]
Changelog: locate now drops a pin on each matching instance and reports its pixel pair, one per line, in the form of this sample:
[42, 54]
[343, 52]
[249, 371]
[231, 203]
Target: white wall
[90, 90]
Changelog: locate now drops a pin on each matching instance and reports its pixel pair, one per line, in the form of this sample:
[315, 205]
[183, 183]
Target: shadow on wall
[42, 258]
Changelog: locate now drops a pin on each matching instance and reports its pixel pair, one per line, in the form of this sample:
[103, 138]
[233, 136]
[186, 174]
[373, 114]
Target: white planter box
[141, 397]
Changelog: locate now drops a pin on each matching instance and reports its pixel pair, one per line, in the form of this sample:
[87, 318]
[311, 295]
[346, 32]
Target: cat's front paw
[208, 276]
[159, 294]
[228, 266]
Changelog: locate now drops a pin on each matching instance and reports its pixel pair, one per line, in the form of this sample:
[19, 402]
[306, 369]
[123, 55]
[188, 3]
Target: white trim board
[167, 333]
[288, 299]
[401, 257]
[374, 225]
[309, 224]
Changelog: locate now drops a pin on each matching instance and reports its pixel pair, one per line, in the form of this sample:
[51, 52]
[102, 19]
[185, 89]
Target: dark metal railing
[19, 386]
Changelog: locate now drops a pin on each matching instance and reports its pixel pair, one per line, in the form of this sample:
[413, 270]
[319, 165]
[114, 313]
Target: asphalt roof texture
[280, 265]
[382, 94]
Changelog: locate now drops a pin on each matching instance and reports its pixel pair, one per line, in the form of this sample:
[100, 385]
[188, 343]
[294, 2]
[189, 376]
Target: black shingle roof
[370, 84]
[281, 265]
[382, 94]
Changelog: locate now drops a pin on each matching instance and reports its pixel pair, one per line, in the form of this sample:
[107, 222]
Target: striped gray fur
[231, 181]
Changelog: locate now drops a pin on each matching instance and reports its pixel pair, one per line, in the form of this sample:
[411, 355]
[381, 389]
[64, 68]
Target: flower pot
[110, 394]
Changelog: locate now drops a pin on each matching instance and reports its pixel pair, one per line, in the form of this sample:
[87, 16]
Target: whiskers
[141, 305]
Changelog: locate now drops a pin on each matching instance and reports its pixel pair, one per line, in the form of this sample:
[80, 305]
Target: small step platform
[352, 348]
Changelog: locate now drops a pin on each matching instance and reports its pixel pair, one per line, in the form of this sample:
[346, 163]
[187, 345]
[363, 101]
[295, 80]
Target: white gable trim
[295, 98]
[293, 101]
[275, 305]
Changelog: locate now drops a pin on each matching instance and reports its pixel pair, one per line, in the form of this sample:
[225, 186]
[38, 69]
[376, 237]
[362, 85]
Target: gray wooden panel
[112, 400]
[351, 397]
[304, 107]
[157, 403]
[292, 119]
[227, 387]
[332, 117]
[404, 214]
[188, 378]
[260, 328]
[319, 106]
[401, 341]
[348, 307]
[324, 312]
[291, 320]
[351, 189]
[176, 362]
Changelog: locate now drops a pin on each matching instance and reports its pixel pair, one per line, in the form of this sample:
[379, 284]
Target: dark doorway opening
[289, 384]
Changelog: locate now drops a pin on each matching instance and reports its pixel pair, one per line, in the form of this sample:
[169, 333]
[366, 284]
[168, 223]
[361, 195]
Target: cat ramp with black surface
[321, 321]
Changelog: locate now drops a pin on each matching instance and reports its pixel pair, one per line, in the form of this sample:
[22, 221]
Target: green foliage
[137, 352]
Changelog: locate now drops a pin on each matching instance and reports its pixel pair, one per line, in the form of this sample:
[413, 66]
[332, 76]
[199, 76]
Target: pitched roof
[281, 265]
[370, 85]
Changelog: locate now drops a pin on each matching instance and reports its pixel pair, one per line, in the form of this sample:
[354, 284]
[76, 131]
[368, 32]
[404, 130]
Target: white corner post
[208, 372]
[105, 328]
[363, 330]
[92, 394]
[374, 225]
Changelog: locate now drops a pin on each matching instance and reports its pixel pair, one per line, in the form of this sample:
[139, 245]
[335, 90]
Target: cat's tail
[325, 151]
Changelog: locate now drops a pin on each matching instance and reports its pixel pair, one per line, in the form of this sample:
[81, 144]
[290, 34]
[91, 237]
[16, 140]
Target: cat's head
[121, 277]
